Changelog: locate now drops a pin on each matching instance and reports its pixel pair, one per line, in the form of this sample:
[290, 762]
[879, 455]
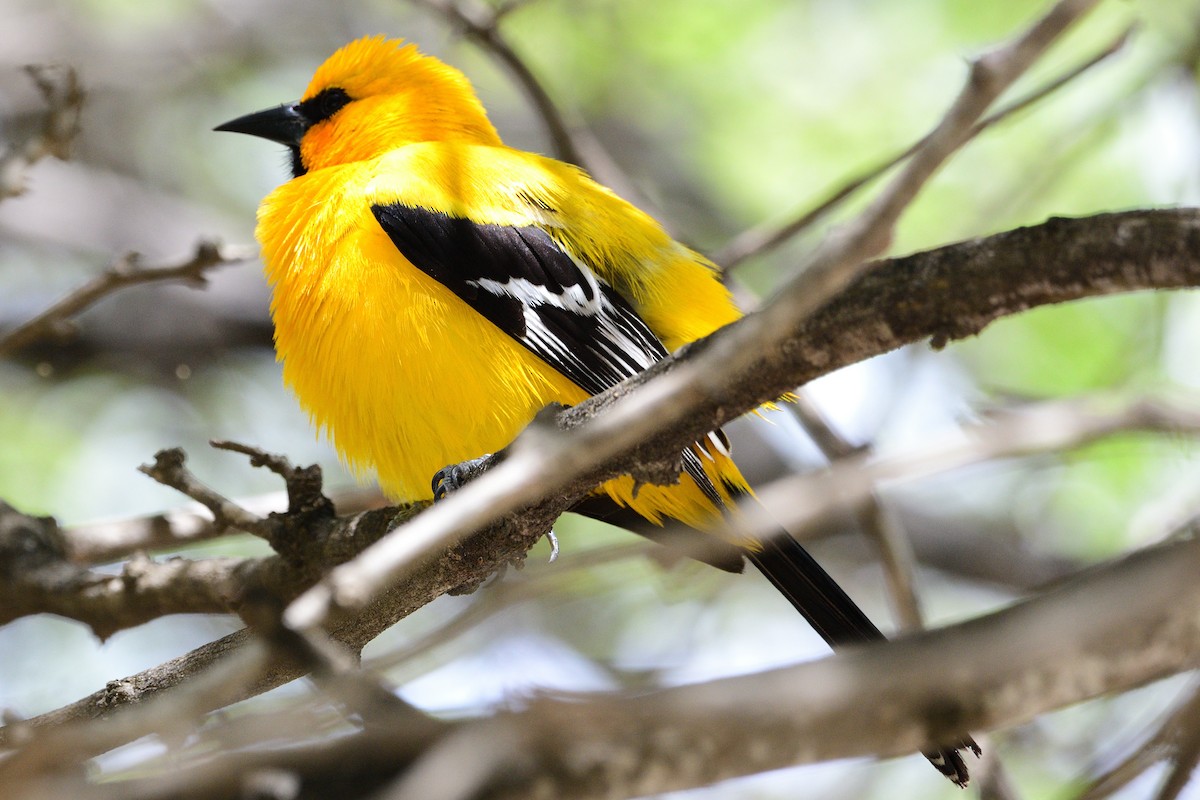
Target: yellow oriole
[434, 289]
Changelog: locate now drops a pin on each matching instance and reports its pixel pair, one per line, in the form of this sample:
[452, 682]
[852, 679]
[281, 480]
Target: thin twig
[875, 519]
[102, 542]
[768, 236]
[126, 272]
[573, 142]
[1174, 740]
[60, 88]
[275, 462]
[481, 25]
[169, 470]
[1053, 426]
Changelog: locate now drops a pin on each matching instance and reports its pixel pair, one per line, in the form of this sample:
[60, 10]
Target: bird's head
[371, 96]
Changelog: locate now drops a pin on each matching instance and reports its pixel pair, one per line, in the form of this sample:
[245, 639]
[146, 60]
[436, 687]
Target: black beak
[285, 124]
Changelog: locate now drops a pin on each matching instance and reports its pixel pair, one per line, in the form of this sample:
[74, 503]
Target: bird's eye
[324, 104]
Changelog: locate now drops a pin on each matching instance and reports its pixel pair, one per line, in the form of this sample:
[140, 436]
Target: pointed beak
[284, 124]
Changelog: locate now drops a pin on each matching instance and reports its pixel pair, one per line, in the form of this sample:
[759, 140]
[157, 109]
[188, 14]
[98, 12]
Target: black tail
[808, 587]
[799, 578]
[831, 612]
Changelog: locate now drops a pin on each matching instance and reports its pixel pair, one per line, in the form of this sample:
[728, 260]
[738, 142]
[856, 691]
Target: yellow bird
[433, 289]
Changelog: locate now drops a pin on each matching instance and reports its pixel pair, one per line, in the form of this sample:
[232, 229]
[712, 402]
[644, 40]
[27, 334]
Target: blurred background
[716, 116]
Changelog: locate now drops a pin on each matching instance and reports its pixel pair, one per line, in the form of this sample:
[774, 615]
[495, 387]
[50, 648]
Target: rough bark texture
[888, 699]
[948, 293]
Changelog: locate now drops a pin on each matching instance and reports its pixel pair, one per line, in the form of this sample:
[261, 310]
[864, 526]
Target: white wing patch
[534, 290]
[620, 344]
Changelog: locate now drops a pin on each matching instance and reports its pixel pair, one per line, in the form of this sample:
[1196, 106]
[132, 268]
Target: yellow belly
[403, 376]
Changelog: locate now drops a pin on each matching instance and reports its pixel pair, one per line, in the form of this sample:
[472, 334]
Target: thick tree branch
[946, 293]
[884, 700]
[36, 575]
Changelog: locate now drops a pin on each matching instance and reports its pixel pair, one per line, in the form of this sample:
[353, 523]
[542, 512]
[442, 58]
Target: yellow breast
[402, 375]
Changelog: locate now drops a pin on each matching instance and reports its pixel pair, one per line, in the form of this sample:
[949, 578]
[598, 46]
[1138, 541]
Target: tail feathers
[949, 761]
[808, 587]
[831, 612]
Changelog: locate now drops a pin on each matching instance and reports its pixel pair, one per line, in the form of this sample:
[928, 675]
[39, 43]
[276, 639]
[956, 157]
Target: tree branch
[112, 540]
[885, 700]
[992, 672]
[54, 321]
[64, 98]
[875, 519]
[765, 238]
[800, 501]
[945, 293]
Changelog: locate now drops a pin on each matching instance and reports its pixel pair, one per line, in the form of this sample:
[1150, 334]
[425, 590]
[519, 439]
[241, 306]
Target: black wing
[524, 283]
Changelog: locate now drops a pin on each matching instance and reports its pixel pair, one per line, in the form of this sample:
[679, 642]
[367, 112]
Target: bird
[433, 289]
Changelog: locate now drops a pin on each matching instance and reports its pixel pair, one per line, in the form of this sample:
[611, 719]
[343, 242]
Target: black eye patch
[324, 104]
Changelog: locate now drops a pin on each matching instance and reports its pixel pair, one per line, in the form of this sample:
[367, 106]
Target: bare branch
[39, 578]
[64, 98]
[992, 672]
[950, 292]
[113, 540]
[481, 25]
[144, 590]
[43, 748]
[168, 469]
[573, 143]
[101, 542]
[768, 236]
[1175, 740]
[1041, 428]
[884, 700]
[326, 540]
[54, 321]
[275, 462]
[875, 519]
[730, 358]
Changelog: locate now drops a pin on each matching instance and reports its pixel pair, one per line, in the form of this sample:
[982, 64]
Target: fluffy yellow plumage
[403, 376]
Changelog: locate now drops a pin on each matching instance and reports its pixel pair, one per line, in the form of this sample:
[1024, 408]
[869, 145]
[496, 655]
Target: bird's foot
[455, 476]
